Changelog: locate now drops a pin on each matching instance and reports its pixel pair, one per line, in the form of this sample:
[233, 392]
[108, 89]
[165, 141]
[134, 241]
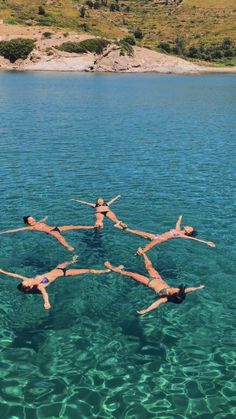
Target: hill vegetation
[192, 28]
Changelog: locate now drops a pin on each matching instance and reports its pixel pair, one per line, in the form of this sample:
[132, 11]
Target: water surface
[167, 144]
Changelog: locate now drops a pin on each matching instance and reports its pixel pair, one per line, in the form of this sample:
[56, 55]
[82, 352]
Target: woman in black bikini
[102, 210]
[176, 233]
[54, 231]
[154, 281]
[38, 284]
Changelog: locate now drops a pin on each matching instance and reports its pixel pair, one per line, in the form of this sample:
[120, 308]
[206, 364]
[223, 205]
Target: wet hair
[178, 297]
[28, 290]
[193, 234]
[26, 219]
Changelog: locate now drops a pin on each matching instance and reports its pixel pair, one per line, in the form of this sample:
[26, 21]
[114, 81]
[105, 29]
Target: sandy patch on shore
[47, 58]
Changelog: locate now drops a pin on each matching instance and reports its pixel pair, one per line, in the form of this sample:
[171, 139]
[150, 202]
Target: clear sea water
[167, 144]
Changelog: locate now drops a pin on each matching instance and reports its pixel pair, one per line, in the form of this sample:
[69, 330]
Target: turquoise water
[167, 144]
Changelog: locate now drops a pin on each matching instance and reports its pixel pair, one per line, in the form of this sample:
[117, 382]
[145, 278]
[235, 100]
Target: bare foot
[108, 265]
[75, 258]
[98, 226]
[117, 225]
[113, 268]
[122, 225]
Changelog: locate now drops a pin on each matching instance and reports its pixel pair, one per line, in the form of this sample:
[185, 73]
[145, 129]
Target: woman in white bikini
[176, 233]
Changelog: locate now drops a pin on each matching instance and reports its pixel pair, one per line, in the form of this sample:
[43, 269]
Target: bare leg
[76, 272]
[70, 262]
[137, 277]
[114, 218]
[61, 239]
[148, 265]
[58, 271]
[68, 228]
[99, 220]
[149, 246]
[138, 232]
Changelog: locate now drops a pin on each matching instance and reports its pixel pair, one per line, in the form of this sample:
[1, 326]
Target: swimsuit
[56, 229]
[175, 235]
[63, 270]
[102, 212]
[157, 237]
[44, 280]
[162, 292]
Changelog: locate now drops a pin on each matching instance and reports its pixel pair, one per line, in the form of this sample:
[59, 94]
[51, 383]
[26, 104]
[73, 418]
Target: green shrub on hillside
[11, 21]
[16, 48]
[47, 35]
[208, 52]
[41, 11]
[138, 34]
[129, 39]
[126, 46]
[95, 45]
[46, 20]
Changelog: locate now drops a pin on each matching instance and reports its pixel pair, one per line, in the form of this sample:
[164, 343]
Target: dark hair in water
[193, 234]
[28, 290]
[178, 297]
[26, 219]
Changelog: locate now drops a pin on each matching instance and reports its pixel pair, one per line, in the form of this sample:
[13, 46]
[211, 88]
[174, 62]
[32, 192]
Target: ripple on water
[165, 144]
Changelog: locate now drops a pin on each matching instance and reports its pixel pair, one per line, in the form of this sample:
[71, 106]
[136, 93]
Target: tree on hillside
[82, 11]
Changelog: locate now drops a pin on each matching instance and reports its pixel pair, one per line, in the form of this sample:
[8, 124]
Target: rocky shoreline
[45, 57]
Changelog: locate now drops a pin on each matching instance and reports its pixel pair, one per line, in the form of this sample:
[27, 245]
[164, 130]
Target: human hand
[211, 244]
[47, 306]
[139, 252]
[142, 311]
[201, 287]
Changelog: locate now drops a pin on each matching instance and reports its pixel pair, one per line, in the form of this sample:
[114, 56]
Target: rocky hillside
[154, 21]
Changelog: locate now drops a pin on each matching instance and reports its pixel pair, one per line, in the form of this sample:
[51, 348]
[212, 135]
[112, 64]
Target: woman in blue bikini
[54, 231]
[38, 284]
[176, 233]
[160, 287]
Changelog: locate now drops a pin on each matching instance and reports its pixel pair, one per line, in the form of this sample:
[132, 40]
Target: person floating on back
[38, 284]
[186, 233]
[54, 231]
[160, 287]
[102, 210]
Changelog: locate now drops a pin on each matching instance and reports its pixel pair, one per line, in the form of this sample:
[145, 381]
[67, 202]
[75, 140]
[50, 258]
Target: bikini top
[175, 234]
[101, 205]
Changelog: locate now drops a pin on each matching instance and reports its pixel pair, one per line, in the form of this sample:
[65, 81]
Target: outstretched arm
[44, 293]
[178, 224]
[113, 199]
[153, 306]
[43, 219]
[83, 202]
[15, 230]
[193, 289]
[210, 244]
[22, 278]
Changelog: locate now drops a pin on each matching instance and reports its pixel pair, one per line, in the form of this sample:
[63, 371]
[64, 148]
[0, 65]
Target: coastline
[46, 57]
[143, 61]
